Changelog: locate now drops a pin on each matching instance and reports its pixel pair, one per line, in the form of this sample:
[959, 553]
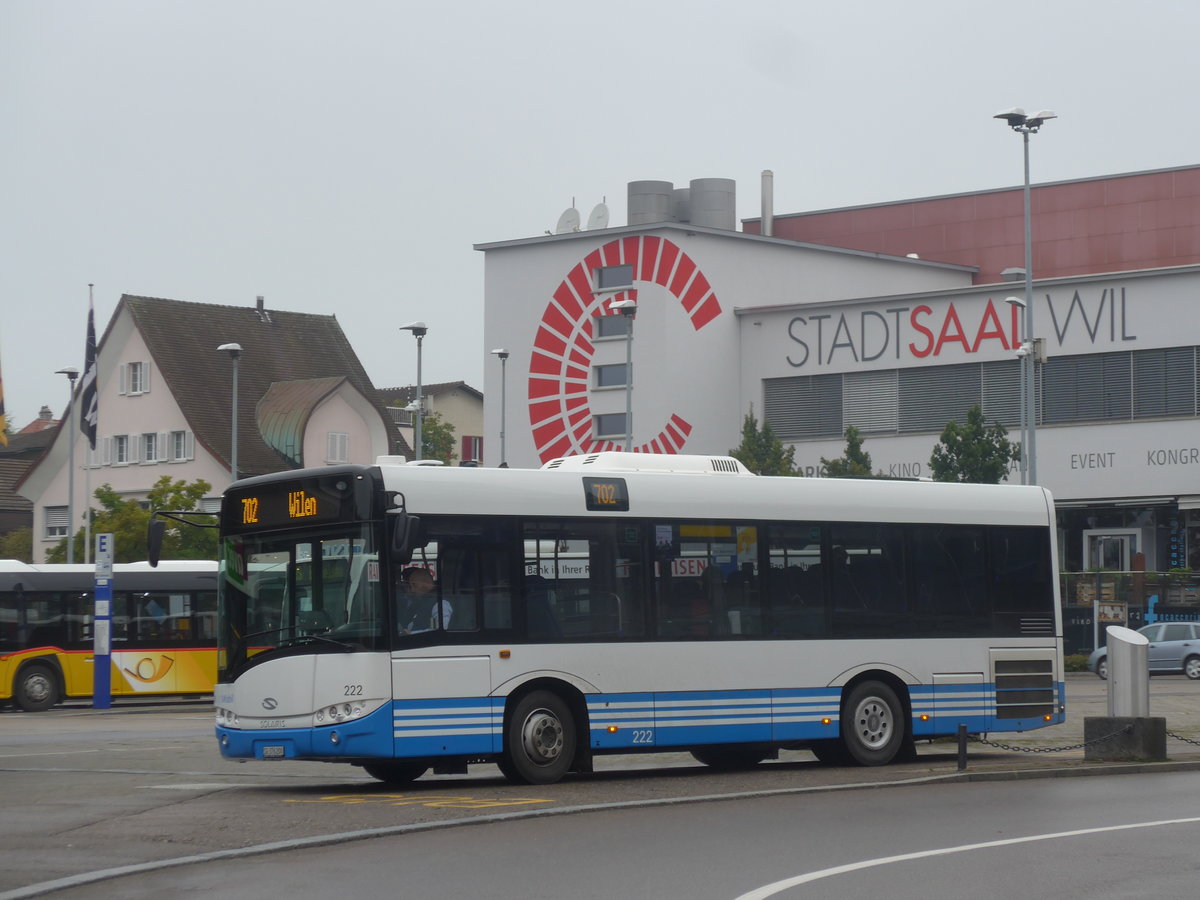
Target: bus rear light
[924, 717]
[827, 721]
[612, 729]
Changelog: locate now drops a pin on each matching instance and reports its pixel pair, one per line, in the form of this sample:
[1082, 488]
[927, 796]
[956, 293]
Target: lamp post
[418, 329]
[1025, 126]
[503, 354]
[628, 308]
[235, 353]
[1022, 353]
[71, 373]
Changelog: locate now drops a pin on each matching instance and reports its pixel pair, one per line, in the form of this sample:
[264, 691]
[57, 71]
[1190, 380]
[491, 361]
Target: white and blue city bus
[623, 603]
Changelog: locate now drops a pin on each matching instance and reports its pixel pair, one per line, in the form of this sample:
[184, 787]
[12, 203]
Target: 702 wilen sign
[920, 331]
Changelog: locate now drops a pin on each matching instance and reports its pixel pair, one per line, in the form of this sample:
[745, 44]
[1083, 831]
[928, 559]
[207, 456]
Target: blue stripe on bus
[797, 714]
[456, 727]
[474, 726]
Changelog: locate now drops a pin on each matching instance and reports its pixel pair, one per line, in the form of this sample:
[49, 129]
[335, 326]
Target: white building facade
[815, 338]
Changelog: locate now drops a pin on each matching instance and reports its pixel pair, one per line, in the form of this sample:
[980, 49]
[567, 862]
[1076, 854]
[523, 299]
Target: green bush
[1076, 662]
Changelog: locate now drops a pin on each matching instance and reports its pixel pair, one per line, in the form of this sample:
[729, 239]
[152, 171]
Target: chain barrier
[1186, 740]
[975, 739]
[1014, 748]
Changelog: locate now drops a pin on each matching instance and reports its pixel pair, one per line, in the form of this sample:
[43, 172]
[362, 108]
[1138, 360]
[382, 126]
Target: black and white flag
[87, 398]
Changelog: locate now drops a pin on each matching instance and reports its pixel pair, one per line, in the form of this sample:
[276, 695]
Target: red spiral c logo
[559, 411]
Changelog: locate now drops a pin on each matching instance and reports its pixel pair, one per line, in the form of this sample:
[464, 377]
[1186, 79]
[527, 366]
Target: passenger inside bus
[418, 608]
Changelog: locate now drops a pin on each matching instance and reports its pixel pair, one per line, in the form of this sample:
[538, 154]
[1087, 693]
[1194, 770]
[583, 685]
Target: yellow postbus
[163, 631]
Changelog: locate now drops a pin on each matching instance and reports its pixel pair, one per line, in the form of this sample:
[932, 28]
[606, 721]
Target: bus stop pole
[102, 625]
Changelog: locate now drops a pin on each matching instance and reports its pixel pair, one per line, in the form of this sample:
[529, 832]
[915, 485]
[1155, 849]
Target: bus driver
[416, 611]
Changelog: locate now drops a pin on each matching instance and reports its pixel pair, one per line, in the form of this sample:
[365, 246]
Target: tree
[854, 463]
[437, 438]
[975, 452]
[127, 519]
[761, 451]
[17, 544]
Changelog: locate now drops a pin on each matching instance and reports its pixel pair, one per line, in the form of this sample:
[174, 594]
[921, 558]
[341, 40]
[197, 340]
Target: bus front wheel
[539, 740]
[872, 724]
[36, 688]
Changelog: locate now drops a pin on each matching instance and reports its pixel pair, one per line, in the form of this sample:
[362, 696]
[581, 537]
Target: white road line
[770, 890]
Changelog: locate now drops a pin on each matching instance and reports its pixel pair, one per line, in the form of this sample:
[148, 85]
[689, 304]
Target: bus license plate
[273, 752]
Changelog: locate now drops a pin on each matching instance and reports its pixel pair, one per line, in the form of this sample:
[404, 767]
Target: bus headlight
[332, 715]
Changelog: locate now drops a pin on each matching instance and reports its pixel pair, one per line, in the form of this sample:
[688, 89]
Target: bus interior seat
[604, 607]
[542, 623]
[314, 620]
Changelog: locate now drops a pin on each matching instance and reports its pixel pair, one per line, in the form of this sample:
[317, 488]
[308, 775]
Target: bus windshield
[300, 589]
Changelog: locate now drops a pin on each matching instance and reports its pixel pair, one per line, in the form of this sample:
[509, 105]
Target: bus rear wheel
[395, 772]
[36, 689]
[539, 740]
[872, 724]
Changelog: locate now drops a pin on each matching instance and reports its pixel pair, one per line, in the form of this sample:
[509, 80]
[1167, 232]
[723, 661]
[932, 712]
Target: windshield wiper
[314, 638]
[298, 639]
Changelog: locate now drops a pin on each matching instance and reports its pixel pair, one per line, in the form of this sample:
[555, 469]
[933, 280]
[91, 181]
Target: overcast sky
[343, 157]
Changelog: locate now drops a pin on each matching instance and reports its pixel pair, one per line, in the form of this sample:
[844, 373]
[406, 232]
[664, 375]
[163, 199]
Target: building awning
[1192, 502]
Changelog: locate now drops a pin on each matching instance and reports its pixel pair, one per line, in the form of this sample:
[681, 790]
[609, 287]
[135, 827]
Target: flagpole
[91, 368]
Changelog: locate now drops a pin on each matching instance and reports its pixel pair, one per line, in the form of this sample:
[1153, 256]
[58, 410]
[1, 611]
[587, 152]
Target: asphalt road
[84, 790]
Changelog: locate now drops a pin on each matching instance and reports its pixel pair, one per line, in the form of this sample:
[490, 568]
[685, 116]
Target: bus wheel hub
[542, 736]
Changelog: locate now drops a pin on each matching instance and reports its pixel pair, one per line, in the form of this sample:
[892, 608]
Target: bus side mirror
[154, 539]
[405, 536]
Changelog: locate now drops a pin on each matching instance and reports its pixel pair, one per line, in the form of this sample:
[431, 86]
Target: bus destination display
[606, 494]
[285, 505]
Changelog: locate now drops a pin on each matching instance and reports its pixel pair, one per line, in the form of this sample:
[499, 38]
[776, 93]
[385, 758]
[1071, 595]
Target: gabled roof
[11, 470]
[284, 411]
[277, 347]
[27, 444]
[402, 396]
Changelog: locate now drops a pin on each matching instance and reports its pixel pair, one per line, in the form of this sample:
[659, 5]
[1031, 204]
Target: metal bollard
[1128, 673]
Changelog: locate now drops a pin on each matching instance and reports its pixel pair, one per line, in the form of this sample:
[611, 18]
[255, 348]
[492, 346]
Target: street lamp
[503, 354]
[418, 329]
[1022, 353]
[235, 353]
[628, 308]
[1025, 126]
[71, 373]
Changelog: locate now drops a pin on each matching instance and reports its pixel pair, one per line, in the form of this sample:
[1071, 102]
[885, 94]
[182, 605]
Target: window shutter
[870, 401]
[163, 453]
[1164, 382]
[1002, 392]
[122, 378]
[133, 448]
[189, 443]
[932, 397]
[803, 406]
[145, 378]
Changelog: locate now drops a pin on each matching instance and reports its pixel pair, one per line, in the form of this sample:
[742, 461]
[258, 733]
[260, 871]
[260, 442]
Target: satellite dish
[568, 221]
[599, 217]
